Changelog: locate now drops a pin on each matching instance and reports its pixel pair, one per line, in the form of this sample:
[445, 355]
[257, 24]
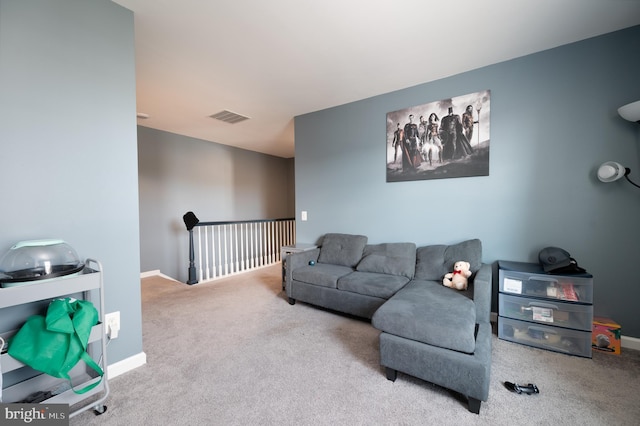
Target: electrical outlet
[112, 324]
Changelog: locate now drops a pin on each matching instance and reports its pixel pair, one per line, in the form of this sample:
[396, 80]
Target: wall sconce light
[630, 111]
[612, 171]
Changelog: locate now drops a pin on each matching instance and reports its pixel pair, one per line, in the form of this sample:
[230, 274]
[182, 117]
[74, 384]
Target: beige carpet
[234, 352]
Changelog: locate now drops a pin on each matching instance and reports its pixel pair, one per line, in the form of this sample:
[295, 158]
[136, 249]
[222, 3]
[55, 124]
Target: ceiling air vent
[229, 117]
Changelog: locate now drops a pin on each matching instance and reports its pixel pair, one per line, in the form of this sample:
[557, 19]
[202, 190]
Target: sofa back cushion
[432, 262]
[342, 249]
[389, 258]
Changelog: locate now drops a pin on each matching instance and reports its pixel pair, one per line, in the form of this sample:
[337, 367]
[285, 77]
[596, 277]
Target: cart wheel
[100, 410]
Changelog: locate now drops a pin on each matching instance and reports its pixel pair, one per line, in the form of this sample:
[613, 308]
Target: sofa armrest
[296, 260]
[482, 287]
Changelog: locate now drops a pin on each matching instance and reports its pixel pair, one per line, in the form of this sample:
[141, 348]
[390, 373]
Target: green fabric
[55, 344]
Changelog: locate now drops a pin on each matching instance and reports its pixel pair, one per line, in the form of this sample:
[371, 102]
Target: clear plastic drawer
[564, 340]
[555, 313]
[530, 280]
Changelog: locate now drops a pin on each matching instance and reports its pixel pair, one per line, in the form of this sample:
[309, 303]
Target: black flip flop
[530, 389]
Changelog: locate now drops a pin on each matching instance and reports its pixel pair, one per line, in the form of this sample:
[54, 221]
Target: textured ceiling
[272, 60]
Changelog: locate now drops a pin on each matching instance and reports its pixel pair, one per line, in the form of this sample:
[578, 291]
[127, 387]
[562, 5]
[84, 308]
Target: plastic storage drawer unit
[561, 314]
[527, 279]
[558, 339]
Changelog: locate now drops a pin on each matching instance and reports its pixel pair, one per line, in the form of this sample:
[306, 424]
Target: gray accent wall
[217, 182]
[68, 141]
[553, 122]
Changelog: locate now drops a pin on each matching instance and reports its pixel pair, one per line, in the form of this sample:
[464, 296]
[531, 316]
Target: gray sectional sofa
[438, 334]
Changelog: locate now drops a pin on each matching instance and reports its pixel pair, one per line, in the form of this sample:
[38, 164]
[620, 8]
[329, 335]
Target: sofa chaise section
[439, 334]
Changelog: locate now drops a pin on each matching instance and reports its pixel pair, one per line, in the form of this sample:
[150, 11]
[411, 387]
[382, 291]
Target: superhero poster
[443, 139]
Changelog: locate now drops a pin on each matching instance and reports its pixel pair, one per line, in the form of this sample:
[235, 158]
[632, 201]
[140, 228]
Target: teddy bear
[458, 278]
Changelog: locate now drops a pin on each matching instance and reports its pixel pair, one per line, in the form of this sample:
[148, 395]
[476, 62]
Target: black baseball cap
[557, 260]
[554, 258]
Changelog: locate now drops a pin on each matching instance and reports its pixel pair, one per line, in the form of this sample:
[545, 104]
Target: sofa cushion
[342, 249]
[323, 275]
[372, 284]
[428, 312]
[432, 262]
[389, 258]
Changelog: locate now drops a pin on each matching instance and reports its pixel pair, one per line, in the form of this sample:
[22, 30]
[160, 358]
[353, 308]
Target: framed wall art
[443, 139]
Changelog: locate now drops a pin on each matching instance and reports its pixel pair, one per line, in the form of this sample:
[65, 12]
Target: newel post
[190, 220]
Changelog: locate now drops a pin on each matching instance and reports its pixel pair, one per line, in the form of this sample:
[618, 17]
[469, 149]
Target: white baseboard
[127, 364]
[155, 273]
[630, 343]
[150, 273]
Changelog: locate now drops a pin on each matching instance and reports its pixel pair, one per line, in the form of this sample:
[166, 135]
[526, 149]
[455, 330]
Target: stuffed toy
[458, 278]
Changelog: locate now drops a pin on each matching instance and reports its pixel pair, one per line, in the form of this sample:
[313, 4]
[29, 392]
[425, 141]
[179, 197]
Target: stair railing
[220, 249]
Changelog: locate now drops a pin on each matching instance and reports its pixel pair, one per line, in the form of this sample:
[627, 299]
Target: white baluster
[206, 253]
[250, 242]
[235, 234]
[263, 243]
[243, 254]
[259, 246]
[267, 243]
[291, 231]
[212, 245]
[231, 260]
[272, 239]
[256, 247]
[219, 250]
[226, 262]
[270, 243]
[276, 238]
[199, 255]
[279, 227]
